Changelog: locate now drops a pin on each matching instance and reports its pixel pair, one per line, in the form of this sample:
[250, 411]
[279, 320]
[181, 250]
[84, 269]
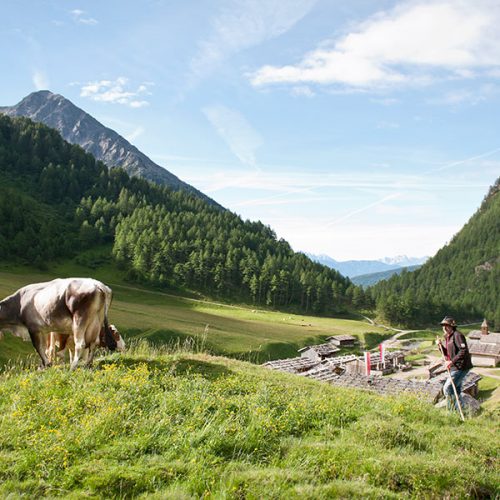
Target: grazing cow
[71, 306]
[59, 343]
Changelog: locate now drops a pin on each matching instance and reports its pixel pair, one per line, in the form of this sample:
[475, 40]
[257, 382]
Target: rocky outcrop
[78, 127]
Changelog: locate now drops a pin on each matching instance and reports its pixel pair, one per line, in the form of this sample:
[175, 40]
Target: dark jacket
[455, 348]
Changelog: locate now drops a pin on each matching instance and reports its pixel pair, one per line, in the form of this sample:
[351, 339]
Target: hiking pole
[457, 399]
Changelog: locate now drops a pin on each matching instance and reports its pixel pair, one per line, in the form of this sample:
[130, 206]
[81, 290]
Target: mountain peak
[78, 127]
[404, 260]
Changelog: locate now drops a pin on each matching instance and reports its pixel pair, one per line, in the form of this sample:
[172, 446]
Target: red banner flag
[367, 364]
[382, 353]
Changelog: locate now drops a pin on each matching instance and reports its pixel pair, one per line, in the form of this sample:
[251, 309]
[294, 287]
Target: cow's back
[42, 306]
[53, 305]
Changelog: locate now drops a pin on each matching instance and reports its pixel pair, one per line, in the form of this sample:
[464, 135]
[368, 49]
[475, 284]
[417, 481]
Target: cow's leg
[79, 328]
[40, 345]
[90, 356]
[79, 352]
[50, 348]
[63, 347]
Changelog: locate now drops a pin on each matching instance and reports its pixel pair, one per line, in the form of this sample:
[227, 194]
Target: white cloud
[352, 213]
[302, 91]
[464, 161]
[283, 183]
[80, 17]
[236, 131]
[243, 24]
[415, 43]
[116, 91]
[138, 104]
[40, 80]
[466, 96]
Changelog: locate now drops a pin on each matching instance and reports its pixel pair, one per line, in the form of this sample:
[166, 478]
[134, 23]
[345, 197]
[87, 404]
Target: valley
[239, 331]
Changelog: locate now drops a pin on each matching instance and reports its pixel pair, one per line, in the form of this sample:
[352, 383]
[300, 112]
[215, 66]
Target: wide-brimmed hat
[448, 320]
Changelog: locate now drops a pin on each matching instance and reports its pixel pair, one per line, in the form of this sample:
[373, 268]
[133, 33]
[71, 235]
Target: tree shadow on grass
[485, 394]
[269, 352]
[157, 336]
[176, 367]
[373, 339]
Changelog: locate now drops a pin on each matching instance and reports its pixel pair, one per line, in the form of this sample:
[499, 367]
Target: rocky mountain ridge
[78, 127]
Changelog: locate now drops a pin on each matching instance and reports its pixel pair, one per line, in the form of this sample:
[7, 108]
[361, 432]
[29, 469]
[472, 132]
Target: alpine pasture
[238, 331]
[168, 419]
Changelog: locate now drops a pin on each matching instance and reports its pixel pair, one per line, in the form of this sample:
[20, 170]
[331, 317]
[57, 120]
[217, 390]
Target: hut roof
[491, 338]
[291, 365]
[340, 360]
[481, 348]
[475, 334]
[342, 337]
[470, 380]
[428, 390]
[321, 349]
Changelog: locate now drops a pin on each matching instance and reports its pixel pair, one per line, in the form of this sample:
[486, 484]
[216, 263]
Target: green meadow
[156, 423]
[244, 332]
[170, 420]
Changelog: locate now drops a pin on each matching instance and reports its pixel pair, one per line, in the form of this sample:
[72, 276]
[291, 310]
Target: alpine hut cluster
[484, 346]
[324, 363]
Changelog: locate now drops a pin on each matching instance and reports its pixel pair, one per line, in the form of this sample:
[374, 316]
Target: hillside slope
[78, 127]
[186, 425]
[57, 201]
[462, 279]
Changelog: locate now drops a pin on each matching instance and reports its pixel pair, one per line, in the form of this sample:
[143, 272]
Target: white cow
[72, 306]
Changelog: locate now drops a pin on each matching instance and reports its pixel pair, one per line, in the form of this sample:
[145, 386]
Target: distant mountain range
[353, 268]
[78, 127]
[373, 278]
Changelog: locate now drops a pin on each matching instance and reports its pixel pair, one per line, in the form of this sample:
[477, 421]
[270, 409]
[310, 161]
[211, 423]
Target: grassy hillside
[185, 425]
[251, 334]
[57, 201]
[462, 279]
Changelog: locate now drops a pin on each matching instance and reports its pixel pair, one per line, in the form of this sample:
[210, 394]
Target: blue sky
[356, 129]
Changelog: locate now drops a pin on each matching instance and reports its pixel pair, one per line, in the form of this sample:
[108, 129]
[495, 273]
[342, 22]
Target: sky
[359, 130]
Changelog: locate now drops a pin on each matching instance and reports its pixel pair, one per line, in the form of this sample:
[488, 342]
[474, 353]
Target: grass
[489, 392]
[415, 357]
[161, 424]
[422, 335]
[237, 331]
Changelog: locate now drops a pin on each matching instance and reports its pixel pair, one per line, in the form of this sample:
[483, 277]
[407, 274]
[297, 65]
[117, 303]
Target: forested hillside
[462, 279]
[78, 127]
[56, 200]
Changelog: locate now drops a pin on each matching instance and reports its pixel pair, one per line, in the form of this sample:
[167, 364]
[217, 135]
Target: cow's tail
[109, 339]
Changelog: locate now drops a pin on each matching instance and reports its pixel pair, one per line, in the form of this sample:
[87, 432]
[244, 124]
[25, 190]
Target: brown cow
[71, 306]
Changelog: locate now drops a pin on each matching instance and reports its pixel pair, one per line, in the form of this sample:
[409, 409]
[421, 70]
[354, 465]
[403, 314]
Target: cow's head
[120, 343]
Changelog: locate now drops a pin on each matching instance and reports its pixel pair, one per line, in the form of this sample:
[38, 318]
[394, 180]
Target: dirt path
[399, 333]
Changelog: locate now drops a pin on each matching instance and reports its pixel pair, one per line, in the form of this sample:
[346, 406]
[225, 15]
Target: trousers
[458, 377]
